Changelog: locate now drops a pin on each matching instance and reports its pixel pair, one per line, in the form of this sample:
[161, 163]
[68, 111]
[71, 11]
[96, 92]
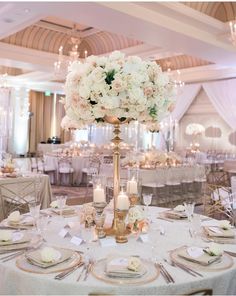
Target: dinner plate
[220, 240]
[23, 264]
[99, 272]
[226, 261]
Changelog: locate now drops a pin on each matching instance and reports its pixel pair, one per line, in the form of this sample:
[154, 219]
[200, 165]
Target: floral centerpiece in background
[194, 129]
[116, 86]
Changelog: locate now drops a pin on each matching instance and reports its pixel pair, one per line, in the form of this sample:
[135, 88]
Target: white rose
[14, 216]
[224, 224]
[49, 254]
[110, 102]
[179, 208]
[214, 249]
[54, 204]
[5, 235]
[134, 264]
[116, 55]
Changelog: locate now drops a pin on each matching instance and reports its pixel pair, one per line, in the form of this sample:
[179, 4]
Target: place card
[108, 242]
[144, 238]
[76, 240]
[70, 225]
[63, 233]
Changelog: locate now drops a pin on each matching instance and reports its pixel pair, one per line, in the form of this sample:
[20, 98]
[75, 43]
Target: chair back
[17, 195]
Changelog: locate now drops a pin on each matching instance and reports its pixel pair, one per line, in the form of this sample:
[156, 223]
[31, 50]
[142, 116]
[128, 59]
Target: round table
[15, 281]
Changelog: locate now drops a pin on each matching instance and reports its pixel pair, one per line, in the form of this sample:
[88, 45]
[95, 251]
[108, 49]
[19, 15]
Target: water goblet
[147, 200]
[41, 225]
[34, 208]
[61, 202]
[189, 209]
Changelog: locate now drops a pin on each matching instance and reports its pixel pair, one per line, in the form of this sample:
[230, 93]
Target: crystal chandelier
[232, 26]
[175, 76]
[63, 61]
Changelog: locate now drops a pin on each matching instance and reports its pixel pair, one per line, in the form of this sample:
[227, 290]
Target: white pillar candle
[98, 194]
[122, 201]
[132, 186]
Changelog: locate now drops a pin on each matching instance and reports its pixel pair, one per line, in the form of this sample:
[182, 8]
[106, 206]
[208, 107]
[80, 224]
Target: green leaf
[110, 76]
[153, 111]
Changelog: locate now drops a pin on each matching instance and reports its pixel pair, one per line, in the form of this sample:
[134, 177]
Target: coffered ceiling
[189, 36]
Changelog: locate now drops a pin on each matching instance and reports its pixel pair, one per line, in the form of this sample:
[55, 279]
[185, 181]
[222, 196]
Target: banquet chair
[16, 196]
[174, 185]
[65, 169]
[48, 169]
[188, 179]
[157, 187]
[219, 202]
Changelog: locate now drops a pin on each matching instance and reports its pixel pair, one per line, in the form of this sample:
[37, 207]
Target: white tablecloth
[15, 281]
[14, 184]
[150, 175]
[44, 148]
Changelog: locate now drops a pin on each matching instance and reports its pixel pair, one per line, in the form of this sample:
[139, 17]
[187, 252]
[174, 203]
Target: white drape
[222, 95]
[184, 100]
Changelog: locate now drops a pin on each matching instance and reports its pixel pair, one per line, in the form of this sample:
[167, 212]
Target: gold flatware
[167, 273]
[84, 269]
[89, 266]
[64, 274]
[171, 263]
[187, 268]
[230, 253]
[12, 256]
[168, 278]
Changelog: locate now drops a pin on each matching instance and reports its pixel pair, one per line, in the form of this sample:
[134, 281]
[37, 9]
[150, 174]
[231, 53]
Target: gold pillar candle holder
[121, 232]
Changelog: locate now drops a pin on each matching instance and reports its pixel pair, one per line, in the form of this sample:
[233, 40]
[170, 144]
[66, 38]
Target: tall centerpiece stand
[119, 214]
[116, 89]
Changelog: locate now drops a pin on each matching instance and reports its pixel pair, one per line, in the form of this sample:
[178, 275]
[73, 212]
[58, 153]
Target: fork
[64, 274]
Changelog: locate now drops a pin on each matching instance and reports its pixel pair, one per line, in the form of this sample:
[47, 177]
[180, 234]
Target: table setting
[154, 259]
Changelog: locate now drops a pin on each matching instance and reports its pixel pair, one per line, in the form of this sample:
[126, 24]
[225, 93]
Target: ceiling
[222, 11]
[189, 36]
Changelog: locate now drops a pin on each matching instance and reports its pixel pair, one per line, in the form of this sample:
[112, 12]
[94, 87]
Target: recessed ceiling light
[27, 10]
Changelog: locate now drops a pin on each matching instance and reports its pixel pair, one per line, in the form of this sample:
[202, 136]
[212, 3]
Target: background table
[15, 281]
[14, 184]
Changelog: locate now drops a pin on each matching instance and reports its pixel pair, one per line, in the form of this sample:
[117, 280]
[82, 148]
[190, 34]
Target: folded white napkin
[14, 217]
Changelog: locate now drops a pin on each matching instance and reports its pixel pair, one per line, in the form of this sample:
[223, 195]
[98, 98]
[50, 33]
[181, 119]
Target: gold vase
[116, 122]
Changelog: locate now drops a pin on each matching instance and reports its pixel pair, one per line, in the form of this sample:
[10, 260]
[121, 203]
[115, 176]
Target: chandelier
[232, 26]
[175, 76]
[64, 61]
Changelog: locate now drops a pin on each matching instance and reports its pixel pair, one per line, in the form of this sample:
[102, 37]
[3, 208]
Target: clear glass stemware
[147, 200]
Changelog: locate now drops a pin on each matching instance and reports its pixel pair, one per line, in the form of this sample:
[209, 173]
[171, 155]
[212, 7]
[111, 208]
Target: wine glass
[34, 208]
[147, 200]
[41, 224]
[189, 209]
[61, 202]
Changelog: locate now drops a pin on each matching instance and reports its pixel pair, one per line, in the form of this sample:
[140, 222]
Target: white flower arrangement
[214, 250]
[194, 129]
[116, 86]
[225, 224]
[135, 214]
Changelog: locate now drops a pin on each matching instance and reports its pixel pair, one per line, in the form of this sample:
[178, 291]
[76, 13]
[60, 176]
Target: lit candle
[99, 195]
[132, 186]
[122, 201]
[85, 54]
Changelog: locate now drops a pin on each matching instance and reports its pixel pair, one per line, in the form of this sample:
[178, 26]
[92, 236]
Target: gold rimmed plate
[99, 272]
[25, 265]
[217, 239]
[224, 263]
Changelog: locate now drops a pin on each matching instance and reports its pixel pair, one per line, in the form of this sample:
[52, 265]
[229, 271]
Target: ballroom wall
[218, 135]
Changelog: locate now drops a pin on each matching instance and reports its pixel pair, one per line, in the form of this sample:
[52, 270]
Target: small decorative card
[108, 242]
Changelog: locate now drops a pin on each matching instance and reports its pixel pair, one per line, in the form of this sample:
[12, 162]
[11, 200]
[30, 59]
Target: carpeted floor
[75, 195]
